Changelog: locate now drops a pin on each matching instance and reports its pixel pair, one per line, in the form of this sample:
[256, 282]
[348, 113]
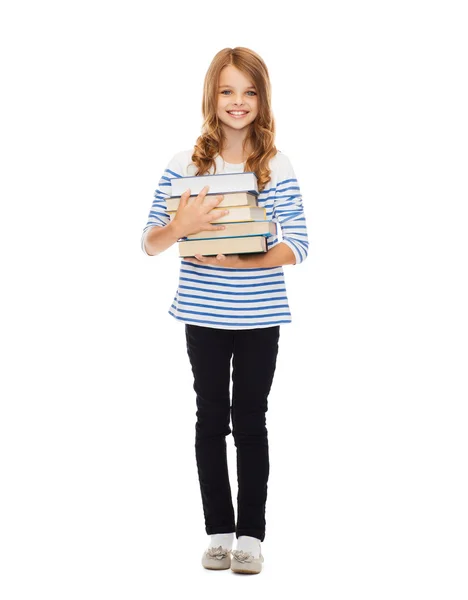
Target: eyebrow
[229, 86]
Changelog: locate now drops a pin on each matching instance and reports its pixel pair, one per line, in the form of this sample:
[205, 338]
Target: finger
[201, 196]
[184, 198]
[212, 202]
[213, 215]
[210, 227]
[217, 199]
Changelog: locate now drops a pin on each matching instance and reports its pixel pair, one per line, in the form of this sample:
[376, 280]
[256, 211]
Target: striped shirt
[226, 298]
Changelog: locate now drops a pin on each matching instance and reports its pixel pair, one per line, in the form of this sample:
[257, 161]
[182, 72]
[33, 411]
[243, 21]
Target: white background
[367, 424]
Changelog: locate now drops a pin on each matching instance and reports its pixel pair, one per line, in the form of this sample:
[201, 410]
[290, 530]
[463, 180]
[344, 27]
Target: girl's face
[236, 93]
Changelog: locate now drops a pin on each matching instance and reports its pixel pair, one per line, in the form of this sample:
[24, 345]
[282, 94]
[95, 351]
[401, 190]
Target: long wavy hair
[261, 135]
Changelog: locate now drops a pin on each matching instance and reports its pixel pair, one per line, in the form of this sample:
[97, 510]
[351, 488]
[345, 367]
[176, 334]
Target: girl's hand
[197, 216]
[230, 260]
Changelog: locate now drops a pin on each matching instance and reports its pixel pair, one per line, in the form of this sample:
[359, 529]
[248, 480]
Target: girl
[232, 306]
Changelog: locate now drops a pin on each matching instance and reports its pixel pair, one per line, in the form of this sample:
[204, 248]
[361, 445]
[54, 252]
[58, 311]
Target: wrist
[176, 230]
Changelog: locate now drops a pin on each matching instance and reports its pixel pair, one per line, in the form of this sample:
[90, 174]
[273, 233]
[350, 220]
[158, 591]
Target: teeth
[233, 112]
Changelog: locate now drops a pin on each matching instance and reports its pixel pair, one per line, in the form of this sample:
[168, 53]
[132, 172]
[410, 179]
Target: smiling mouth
[237, 114]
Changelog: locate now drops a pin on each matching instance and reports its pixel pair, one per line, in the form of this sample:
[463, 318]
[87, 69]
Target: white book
[221, 183]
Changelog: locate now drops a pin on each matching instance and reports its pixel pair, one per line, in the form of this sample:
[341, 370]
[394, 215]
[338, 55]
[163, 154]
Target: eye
[250, 92]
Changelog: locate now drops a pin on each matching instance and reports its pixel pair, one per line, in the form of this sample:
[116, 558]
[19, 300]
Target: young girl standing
[232, 306]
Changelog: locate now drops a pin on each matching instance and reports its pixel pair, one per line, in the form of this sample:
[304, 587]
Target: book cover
[257, 243]
[240, 229]
[235, 214]
[230, 199]
[221, 183]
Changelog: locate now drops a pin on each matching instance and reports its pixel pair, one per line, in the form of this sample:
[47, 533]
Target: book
[237, 245]
[230, 199]
[236, 213]
[247, 227]
[240, 229]
[221, 183]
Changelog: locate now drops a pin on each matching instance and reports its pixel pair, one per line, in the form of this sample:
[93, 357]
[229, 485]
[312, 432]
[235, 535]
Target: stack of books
[247, 228]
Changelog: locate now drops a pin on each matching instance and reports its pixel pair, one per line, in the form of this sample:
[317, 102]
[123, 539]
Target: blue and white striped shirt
[226, 298]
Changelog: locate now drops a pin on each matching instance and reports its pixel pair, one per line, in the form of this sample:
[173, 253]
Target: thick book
[230, 199]
[241, 229]
[235, 214]
[221, 183]
[238, 245]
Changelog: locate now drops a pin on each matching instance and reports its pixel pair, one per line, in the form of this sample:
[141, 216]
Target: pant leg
[210, 352]
[254, 363]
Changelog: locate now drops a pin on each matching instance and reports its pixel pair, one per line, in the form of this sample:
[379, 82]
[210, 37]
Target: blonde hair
[261, 134]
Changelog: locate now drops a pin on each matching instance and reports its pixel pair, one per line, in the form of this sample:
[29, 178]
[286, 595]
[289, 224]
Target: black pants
[254, 353]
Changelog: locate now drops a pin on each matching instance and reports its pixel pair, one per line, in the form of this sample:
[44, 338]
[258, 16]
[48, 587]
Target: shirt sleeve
[289, 212]
[158, 216]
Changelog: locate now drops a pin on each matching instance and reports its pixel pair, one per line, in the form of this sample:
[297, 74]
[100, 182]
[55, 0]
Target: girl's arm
[156, 239]
[278, 256]
[289, 213]
[159, 232]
